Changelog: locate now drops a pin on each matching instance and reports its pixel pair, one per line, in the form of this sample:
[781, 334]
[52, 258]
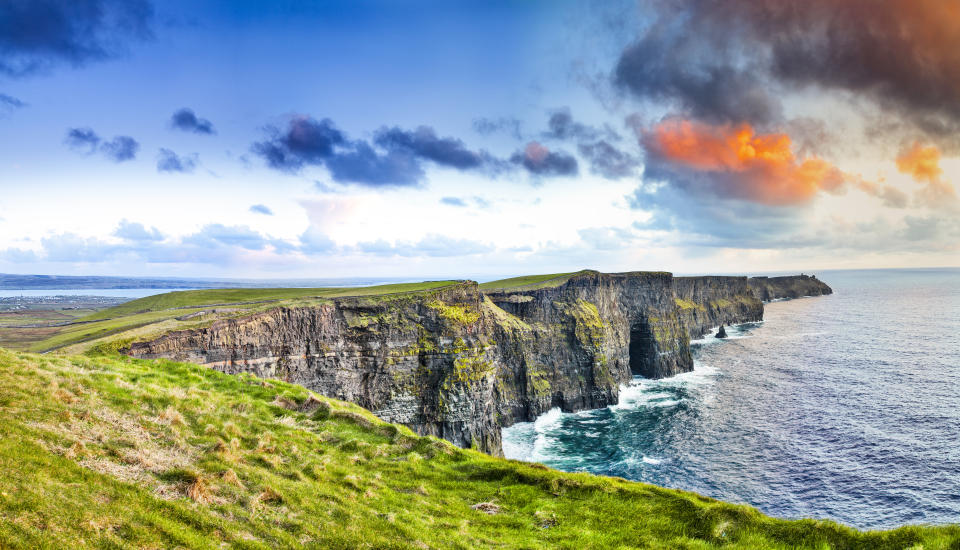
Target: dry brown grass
[230, 477]
[171, 416]
[77, 450]
[269, 496]
[199, 490]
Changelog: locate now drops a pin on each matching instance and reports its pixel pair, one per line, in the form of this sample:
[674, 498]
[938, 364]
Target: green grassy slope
[199, 298]
[112, 452]
[169, 306]
[528, 282]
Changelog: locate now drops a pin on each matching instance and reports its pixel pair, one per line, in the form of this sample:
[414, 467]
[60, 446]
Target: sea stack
[721, 333]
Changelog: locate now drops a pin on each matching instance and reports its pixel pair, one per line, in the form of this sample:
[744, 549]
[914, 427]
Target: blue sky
[436, 139]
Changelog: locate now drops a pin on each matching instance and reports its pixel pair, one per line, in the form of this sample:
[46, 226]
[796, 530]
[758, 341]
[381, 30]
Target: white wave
[651, 460]
[734, 332]
[548, 420]
[518, 441]
[700, 375]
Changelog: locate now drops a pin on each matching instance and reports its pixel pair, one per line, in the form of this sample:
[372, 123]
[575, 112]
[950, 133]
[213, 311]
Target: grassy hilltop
[154, 315]
[111, 452]
[178, 310]
[186, 309]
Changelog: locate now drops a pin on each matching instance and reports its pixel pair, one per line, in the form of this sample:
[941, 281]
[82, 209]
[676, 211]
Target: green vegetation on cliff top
[240, 296]
[530, 282]
[111, 452]
[192, 308]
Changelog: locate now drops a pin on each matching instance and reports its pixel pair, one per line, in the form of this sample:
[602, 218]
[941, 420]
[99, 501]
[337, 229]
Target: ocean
[842, 407]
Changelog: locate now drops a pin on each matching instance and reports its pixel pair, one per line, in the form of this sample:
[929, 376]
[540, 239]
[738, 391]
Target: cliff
[461, 363]
[793, 286]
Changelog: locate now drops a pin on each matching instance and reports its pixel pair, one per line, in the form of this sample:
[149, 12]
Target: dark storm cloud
[722, 61]
[120, 148]
[425, 144]
[38, 34]
[541, 161]
[672, 64]
[305, 141]
[185, 119]
[168, 161]
[395, 157]
[609, 161]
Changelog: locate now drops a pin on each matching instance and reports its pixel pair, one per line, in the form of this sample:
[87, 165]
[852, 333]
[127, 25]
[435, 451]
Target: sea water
[844, 407]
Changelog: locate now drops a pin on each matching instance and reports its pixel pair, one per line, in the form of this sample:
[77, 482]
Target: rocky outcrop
[793, 286]
[461, 364]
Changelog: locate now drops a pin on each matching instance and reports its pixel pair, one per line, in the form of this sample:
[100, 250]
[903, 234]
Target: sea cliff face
[461, 364]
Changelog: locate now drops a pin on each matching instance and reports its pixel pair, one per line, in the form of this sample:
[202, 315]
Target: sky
[434, 139]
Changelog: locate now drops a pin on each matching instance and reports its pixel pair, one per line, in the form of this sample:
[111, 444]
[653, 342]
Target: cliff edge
[461, 362]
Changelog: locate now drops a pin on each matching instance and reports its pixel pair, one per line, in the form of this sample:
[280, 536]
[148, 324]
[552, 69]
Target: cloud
[120, 148]
[424, 143]
[185, 119]
[365, 166]
[562, 126]
[735, 162]
[608, 161]
[686, 219]
[505, 125]
[213, 235]
[922, 162]
[137, 232]
[10, 102]
[607, 238]
[453, 201]
[36, 35]
[432, 245]
[305, 141]
[168, 161]
[461, 202]
[541, 161]
[261, 209]
[394, 158]
[313, 241]
[82, 138]
[728, 62]
[686, 63]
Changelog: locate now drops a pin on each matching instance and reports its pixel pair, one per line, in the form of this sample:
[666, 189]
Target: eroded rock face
[461, 364]
[792, 286]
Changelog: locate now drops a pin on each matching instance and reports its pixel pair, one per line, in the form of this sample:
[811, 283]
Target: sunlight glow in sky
[433, 139]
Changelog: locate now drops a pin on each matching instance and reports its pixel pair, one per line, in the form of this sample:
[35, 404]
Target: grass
[530, 282]
[199, 298]
[110, 452]
[15, 335]
[164, 310]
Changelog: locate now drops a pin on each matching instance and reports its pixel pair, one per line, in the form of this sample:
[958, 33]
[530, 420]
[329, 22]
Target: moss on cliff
[460, 314]
[688, 304]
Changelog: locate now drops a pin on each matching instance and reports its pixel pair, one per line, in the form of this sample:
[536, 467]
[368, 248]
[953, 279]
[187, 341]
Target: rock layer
[462, 364]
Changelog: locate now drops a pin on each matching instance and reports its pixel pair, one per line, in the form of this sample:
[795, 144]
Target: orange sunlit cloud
[922, 162]
[757, 167]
